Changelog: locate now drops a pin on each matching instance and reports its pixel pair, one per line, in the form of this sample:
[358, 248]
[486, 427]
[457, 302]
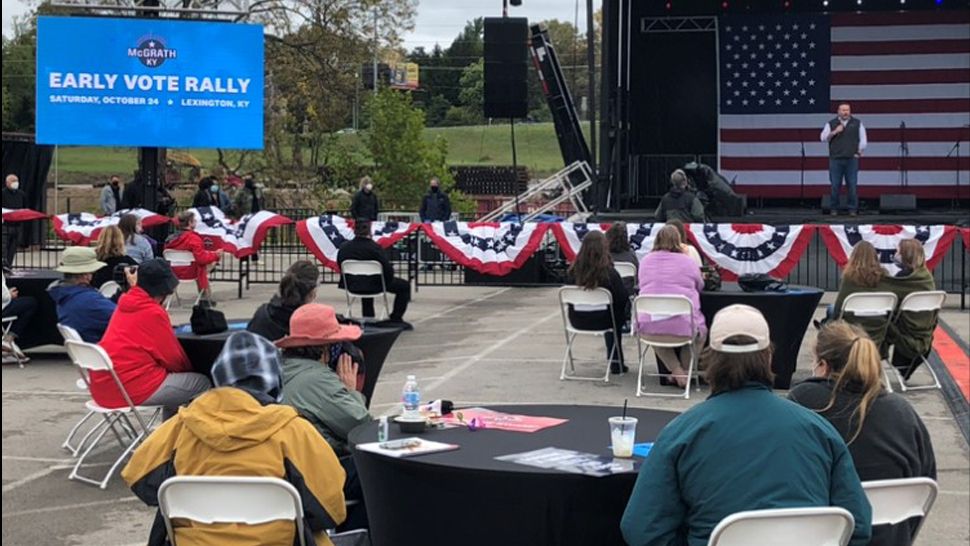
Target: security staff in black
[846, 137]
[13, 198]
[365, 204]
[679, 203]
[436, 206]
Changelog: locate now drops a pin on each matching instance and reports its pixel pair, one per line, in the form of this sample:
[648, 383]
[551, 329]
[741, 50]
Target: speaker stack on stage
[506, 67]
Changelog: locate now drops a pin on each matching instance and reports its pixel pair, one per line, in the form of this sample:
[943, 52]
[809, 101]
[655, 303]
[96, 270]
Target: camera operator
[679, 203]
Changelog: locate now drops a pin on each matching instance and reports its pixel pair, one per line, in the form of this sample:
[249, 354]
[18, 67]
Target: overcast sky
[437, 21]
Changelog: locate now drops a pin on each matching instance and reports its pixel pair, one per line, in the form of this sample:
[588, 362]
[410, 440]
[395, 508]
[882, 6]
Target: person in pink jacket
[667, 270]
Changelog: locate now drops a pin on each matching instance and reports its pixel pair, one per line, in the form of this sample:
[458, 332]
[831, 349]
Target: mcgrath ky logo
[151, 51]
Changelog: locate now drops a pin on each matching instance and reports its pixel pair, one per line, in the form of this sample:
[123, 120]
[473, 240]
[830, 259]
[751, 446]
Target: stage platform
[796, 215]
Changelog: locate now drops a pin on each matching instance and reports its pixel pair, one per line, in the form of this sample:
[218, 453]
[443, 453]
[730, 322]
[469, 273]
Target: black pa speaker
[506, 67]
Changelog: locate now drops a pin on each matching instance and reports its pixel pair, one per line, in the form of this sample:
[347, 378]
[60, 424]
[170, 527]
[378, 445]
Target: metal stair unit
[570, 181]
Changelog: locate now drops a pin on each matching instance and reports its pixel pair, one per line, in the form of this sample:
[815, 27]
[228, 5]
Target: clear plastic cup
[623, 433]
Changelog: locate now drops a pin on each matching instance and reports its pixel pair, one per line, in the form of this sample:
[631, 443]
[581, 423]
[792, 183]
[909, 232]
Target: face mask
[368, 188]
[214, 188]
[434, 189]
[15, 186]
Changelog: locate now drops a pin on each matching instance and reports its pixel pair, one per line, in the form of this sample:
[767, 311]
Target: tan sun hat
[740, 320]
[79, 259]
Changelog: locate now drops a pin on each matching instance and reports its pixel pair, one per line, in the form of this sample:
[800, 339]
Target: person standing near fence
[13, 198]
[436, 206]
[365, 205]
[111, 196]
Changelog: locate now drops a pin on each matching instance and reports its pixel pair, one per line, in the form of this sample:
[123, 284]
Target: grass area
[536, 145]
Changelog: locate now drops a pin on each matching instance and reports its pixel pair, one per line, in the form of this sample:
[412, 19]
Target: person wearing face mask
[249, 198]
[111, 196]
[436, 206]
[208, 194]
[365, 205]
[846, 137]
[13, 198]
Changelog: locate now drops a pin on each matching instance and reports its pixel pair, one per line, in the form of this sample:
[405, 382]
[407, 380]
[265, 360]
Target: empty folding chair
[667, 306]
[581, 299]
[871, 306]
[918, 302]
[363, 268]
[71, 334]
[895, 501]
[129, 431]
[229, 499]
[10, 344]
[181, 258]
[824, 526]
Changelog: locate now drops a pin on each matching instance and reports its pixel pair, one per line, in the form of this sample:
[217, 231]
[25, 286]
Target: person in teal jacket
[744, 448]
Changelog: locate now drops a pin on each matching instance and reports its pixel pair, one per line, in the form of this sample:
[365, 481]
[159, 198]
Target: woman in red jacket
[147, 357]
[205, 260]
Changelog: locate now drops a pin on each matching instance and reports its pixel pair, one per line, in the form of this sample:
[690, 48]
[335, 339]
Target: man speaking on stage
[847, 139]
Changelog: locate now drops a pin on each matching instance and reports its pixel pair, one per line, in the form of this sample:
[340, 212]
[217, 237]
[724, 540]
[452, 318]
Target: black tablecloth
[467, 497]
[376, 343]
[788, 315]
[43, 329]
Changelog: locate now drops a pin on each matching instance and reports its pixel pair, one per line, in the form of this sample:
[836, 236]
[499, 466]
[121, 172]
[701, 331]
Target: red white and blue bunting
[324, 235]
[965, 232]
[840, 239]
[570, 236]
[242, 237]
[21, 215]
[84, 227]
[488, 248]
[740, 249]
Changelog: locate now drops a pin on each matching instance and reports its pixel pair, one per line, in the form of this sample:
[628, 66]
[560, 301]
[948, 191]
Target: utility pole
[375, 51]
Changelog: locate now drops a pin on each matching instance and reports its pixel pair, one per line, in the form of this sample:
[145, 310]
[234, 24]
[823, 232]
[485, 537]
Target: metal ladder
[571, 181]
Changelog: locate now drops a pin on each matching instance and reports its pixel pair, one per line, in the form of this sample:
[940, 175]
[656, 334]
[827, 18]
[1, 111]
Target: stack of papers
[419, 447]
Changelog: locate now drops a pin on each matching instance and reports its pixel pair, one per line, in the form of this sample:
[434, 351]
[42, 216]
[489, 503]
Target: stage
[808, 215]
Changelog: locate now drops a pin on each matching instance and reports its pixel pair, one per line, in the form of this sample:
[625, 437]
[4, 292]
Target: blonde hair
[668, 238]
[911, 254]
[111, 243]
[864, 268]
[852, 357]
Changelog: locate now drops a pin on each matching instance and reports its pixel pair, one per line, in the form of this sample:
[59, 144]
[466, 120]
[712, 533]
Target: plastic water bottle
[411, 397]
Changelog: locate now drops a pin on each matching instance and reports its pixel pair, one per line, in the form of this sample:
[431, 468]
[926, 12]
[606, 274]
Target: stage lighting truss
[698, 23]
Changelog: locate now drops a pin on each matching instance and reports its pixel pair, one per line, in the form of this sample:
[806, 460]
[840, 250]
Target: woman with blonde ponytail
[886, 437]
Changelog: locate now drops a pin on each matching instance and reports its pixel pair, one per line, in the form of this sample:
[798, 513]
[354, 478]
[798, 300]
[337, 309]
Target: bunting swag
[840, 239]
[488, 248]
[570, 236]
[21, 215]
[324, 235]
[738, 249]
[965, 232]
[242, 237]
[84, 227]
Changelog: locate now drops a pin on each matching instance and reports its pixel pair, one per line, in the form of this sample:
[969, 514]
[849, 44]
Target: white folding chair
[581, 299]
[229, 499]
[871, 305]
[824, 526]
[9, 343]
[665, 306]
[109, 289]
[180, 258]
[129, 432]
[70, 334]
[917, 302]
[625, 269]
[363, 268]
[895, 501]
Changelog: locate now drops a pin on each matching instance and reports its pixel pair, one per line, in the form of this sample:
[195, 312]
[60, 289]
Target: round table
[467, 497]
[34, 283]
[375, 343]
[788, 314]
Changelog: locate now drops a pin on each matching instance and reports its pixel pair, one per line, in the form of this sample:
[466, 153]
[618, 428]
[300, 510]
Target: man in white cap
[744, 448]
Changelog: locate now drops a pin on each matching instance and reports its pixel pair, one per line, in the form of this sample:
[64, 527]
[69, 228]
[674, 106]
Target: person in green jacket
[744, 448]
[863, 273]
[911, 333]
[323, 392]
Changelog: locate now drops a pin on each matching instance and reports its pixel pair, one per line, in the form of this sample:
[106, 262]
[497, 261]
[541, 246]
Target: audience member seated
[863, 273]
[362, 247]
[111, 251]
[22, 307]
[592, 269]
[320, 381]
[297, 287]
[136, 244]
[241, 429]
[663, 272]
[147, 357]
[912, 333]
[885, 435]
[80, 305]
[205, 260]
[685, 244]
[744, 448]
[620, 251]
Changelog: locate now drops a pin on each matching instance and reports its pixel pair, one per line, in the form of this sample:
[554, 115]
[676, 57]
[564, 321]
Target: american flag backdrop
[782, 78]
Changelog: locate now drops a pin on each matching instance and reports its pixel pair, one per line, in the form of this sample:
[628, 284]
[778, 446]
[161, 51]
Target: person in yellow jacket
[240, 428]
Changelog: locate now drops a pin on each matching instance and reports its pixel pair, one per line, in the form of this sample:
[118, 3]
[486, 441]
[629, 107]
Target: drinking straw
[625, 400]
